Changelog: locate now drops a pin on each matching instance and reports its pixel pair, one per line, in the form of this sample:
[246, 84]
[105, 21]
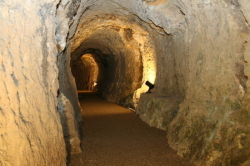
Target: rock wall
[31, 131]
[212, 125]
[70, 126]
[128, 49]
[30, 128]
[68, 105]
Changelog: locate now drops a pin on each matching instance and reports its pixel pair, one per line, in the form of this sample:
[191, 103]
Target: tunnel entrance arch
[128, 50]
[86, 73]
[89, 70]
[131, 51]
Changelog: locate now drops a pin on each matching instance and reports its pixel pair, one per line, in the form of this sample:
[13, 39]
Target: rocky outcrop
[70, 127]
[68, 105]
[158, 111]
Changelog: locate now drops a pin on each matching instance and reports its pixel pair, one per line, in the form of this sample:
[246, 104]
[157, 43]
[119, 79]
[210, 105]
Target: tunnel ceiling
[116, 15]
[167, 15]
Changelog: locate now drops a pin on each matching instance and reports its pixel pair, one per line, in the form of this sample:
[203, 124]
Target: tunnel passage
[180, 48]
[129, 51]
[199, 58]
[88, 72]
[126, 47]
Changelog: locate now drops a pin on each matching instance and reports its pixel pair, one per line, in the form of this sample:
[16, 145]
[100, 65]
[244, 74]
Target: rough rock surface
[30, 128]
[127, 52]
[157, 110]
[68, 105]
[70, 127]
[119, 81]
[212, 126]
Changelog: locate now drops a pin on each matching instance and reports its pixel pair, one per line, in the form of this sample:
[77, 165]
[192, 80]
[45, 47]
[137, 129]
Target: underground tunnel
[88, 73]
[195, 53]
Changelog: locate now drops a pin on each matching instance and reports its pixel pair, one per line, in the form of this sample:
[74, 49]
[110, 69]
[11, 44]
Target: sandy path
[114, 136]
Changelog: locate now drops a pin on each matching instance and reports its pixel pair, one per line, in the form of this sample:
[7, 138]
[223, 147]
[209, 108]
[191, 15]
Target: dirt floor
[115, 136]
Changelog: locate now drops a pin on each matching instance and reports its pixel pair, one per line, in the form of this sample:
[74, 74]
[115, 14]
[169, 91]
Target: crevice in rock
[58, 4]
[241, 75]
[245, 18]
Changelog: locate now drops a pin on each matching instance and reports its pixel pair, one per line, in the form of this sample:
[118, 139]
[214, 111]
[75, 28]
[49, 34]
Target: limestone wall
[31, 131]
[212, 125]
[30, 128]
[68, 105]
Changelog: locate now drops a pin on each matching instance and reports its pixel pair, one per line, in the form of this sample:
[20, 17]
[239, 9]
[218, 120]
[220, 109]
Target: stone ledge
[158, 110]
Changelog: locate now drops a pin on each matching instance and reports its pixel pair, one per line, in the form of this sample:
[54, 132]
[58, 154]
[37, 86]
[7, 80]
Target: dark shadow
[65, 128]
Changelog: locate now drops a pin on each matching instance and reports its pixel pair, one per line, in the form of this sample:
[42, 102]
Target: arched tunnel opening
[131, 46]
[125, 47]
[115, 54]
[88, 73]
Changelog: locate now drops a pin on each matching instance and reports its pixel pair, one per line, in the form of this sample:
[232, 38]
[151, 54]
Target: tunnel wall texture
[201, 54]
[212, 124]
[31, 131]
[68, 105]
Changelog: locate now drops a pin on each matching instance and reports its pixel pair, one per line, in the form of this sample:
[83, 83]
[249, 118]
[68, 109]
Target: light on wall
[151, 70]
[151, 76]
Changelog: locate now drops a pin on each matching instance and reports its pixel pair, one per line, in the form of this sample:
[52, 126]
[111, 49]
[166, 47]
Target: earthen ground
[115, 136]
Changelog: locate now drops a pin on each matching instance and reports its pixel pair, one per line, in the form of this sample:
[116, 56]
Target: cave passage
[87, 73]
[113, 135]
[196, 53]
[114, 54]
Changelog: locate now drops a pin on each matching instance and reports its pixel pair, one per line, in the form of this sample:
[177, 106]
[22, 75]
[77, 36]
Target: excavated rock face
[30, 128]
[31, 131]
[212, 125]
